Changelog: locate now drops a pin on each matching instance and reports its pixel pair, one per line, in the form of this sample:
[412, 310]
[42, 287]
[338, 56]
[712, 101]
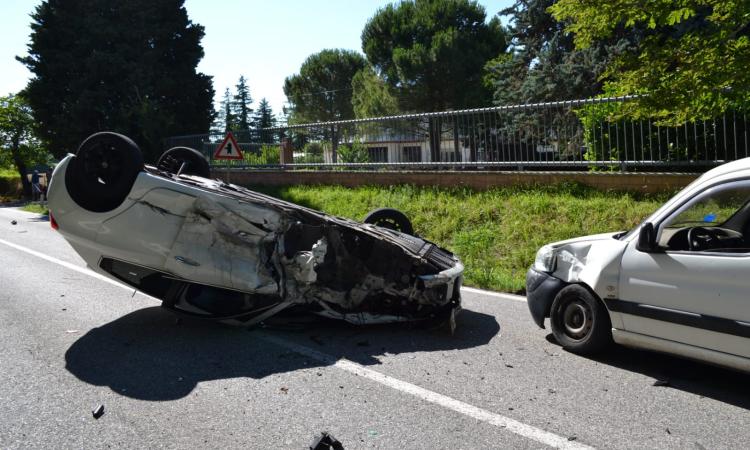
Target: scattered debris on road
[13, 222]
[661, 383]
[284, 389]
[71, 331]
[326, 442]
[98, 412]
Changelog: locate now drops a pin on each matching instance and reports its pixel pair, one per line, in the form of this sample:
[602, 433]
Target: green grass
[36, 208]
[496, 233]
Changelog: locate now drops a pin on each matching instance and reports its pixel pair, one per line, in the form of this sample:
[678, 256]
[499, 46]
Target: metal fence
[576, 134]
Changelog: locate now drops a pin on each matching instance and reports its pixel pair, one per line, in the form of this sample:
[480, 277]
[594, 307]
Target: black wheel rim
[102, 164]
[172, 165]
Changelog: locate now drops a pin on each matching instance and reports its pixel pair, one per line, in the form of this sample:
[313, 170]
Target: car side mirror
[646, 238]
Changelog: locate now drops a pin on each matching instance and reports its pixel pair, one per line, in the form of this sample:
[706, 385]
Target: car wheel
[579, 320]
[102, 174]
[390, 218]
[195, 164]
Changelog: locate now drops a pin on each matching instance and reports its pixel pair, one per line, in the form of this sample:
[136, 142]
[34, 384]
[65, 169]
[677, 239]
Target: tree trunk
[14, 151]
[456, 140]
[334, 144]
[436, 128]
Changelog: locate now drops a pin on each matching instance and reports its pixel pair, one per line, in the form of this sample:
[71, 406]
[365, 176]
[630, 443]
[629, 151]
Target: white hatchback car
[679, 283]
[215, 250]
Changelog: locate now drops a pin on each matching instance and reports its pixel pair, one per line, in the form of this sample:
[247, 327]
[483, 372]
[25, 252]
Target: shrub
[355, 152]
[269, 154]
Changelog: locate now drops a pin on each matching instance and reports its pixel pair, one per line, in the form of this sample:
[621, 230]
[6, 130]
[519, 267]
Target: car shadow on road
[671, 372]
[149, 355]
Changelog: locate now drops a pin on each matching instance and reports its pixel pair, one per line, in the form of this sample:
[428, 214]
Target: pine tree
[241, 107]
[431, 54]
[128, 66]
[544, 64]
[225, 121]
[322, 91]
[264, 118]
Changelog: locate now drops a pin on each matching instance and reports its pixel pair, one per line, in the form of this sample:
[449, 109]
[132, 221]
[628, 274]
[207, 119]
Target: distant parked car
[215, 250]
[678, 283]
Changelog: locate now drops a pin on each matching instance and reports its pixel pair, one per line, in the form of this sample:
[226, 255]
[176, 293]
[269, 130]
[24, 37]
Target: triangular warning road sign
[228, 149]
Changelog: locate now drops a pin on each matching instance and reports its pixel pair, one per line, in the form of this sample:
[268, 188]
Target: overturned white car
[678, 283]
[219, 251]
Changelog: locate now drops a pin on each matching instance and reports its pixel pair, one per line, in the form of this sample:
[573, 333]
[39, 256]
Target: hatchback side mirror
[647, 238]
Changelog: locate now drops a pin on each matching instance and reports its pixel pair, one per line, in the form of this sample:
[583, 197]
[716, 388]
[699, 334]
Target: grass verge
[36, 208]
[496, 233]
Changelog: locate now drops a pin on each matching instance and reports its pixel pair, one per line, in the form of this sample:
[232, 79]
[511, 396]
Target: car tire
[103, 171]
[195, 164]
[579, 320]
[390, 218]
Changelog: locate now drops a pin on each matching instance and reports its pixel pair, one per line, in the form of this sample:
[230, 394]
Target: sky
[266, 41]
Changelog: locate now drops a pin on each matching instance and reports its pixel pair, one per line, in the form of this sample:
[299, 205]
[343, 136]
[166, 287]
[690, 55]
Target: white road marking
[512, 425]
[71, 266]
[515, 298]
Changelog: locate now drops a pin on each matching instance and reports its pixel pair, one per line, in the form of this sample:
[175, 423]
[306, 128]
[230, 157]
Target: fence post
[286, 155]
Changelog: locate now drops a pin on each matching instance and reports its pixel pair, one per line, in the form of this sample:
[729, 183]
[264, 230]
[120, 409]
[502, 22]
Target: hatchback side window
[714, 221]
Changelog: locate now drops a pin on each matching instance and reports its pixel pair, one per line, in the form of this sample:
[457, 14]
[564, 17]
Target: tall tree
[17, 137]
[123, 66]
[264, 117]
[322, 91]
[225, 121]
[543, 64]
[692, 63]
[432, 53]
[372, 96]
[242, 102]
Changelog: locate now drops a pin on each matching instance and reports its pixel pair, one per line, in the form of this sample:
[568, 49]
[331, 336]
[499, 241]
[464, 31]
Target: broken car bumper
[541, 289]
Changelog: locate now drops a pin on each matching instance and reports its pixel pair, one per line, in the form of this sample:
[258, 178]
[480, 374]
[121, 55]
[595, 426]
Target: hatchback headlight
[545, 259]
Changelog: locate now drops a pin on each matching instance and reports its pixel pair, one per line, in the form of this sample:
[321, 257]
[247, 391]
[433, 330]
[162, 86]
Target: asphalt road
[70, 341]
